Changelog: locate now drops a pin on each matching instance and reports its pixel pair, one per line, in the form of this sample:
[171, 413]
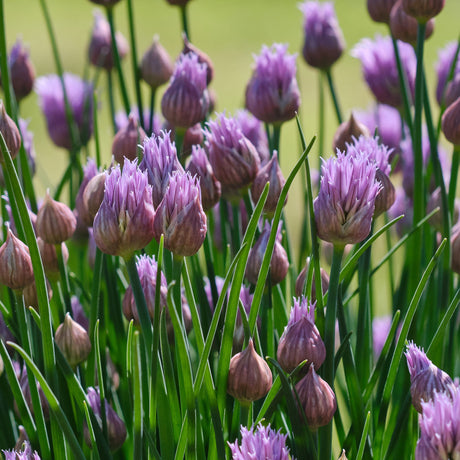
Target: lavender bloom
[186, 100]
[160, 161]
[22, 71]
[324, 42]
[180, 216]
[121, 120]
[446, 57]
[147, 268]
[262, 442]
[346, 200]
[116, 429]
[210, 186]
[375, 152]
[426, 379]
[379, 68]
[254, 130]
[100, 48]
[272, 94]
[79, 95]
[301, 339]
[203, 58]
[439, 428]
[233, 157]
[124, 222]
[25, 453]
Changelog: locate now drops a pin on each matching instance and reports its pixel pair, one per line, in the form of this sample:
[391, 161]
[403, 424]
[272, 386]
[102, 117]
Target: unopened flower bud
[156, 65]
[379, 10]
[435, 201]
[49, 258]
[423, 10]
[31, 297]
[347, 131]
[404, 27]
[387, 194]
[73, 341]
[89, 171]
[127, 140]
[452, 91]
[210, 187]
[93, 197]
[203, 58]
[22, 71]
[279, 263]
[16, 270]
[10, 133]
[56, 222]
[193, 136]
[451, 123]
[249, 377]
[301, 339]
[343, 456]
[269, 172]
[302, 278]
[317, 399]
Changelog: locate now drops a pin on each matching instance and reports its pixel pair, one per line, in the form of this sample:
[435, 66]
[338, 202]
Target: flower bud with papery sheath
[423, 10]
[49, 258]
[379, 10]
[180, 216]
[127, 140]
[73, 341]
[446, 56]
[254, 130]
[317, 399]
[451, 123]
[156, 65]
[323, 39]
[301, 339]
[272, 94]
[249, 377]
[124, 222]
[93, 197]
[347, 131]
[89, 171]
[22, 72]
[10, 133]
[302, 278]
[56, 222]
[203, 58]
[16, 270]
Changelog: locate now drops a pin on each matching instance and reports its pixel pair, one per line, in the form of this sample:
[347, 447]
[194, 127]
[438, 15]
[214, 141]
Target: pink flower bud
[156, 65]
[10, 133]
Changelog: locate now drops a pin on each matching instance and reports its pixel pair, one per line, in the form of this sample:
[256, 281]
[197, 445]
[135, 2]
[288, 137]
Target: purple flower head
[147, 269]
[79, 95]
[233, 157]
[100, 48]
[374, 151]
[324, 42]
[22, 71]
[272, 94]
[180, 216]
[417, 360]
[116, 429]
[379, 68]
[121, 120]
[254, 130]
[260, 443]
[201, 167]
[439, 428]
[124, 222]
[89, 171]
[186, 99]
[302, 308]
[446, 57]
[25, 453]
[346, 200]
[159, 161]
[380, 329]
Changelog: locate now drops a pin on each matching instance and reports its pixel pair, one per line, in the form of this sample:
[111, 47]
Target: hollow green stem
[64, 278]
[335, 99]
[184, 21]
[111, 100]
[276, 138]
[152, 110]
[453, 178]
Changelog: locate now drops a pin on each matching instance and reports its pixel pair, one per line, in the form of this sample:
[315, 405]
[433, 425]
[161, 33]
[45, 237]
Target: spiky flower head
[147, 268]
[260, 443]
[301, 339]
[346, 200]
[22, 71]
[439, 428]
[186, 99]
[201, 167]
[116, 429]
[203, 58]
[23, 452]
[426, 379]
[272, 94]
[79, 95]
[279, 263]
[180, 216]
[446, 56]
[124, 222]
[323, 38]
[159, 161]
[100, 51]
[379, 68]
[254, 130]
[233, 157]
[156, 65]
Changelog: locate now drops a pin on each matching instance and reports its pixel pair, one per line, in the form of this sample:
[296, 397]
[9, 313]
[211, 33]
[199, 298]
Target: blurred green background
[230, 32]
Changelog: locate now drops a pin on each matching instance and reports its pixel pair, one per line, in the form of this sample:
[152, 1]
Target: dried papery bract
[203, 58]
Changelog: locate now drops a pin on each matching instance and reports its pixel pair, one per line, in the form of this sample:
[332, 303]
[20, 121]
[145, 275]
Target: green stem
[335, 100]
[96, 131]
[116, 56]
[111, 100]
[152, 110]
[184, 20]
[4, 69]
[329, 342]
[179, 140]
[177, 294]
[64, 278]
[453, 178]
[321, 118]
[276, 139]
